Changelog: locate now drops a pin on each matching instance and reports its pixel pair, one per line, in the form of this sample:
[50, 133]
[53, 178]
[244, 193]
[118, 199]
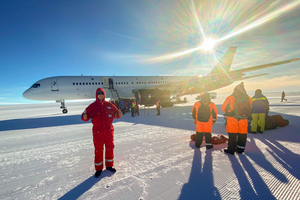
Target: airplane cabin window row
[122, 83]
[93, 83]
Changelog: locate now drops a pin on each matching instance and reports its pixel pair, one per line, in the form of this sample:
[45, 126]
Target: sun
[208, 44]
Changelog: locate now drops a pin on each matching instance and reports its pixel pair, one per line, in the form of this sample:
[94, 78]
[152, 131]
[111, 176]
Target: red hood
[98, 90]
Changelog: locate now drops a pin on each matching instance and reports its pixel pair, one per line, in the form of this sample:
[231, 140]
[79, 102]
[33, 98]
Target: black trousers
[237, 142]
[199, 138]
[158, 111]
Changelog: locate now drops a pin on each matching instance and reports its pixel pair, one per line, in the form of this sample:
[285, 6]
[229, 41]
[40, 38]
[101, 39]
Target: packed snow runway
[49, 155]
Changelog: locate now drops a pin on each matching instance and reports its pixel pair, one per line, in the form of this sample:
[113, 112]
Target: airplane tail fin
[225, 63]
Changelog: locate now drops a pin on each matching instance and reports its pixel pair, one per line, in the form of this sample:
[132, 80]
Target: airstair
[114, 94]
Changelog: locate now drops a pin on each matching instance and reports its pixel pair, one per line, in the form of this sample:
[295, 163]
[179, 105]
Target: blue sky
[53, 38]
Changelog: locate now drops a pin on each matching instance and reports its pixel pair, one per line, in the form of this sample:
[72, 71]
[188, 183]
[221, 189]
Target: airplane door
[108, 83]
[54, 84]
[111, 83]
[105, 82]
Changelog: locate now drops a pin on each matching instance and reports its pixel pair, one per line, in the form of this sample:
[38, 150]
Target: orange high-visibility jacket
[234, 125]
[205, 126]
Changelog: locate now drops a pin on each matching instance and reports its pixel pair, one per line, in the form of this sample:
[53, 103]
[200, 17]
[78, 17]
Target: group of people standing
[128, 106]
[238, 108]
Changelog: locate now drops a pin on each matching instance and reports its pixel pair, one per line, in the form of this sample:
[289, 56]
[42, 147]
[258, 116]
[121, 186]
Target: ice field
[45, 154]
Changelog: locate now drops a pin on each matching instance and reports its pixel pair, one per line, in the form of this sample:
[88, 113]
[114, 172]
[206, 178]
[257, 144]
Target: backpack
[203, 114]
[279, 120]
[270, 123]
[219, 139]
[243, 108]
[193, 137]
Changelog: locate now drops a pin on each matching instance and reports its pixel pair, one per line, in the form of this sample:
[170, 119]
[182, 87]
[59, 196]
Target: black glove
[250, 117]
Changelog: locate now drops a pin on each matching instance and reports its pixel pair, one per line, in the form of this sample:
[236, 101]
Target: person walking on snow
[102, 113]
[237, 108]
[283, 96]
[260, 108]
[205, 115]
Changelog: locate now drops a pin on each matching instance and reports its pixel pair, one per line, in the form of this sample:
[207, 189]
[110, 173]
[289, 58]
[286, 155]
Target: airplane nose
[26, 94]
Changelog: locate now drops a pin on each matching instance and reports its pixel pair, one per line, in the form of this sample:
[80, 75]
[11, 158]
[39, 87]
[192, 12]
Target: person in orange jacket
[158, 107]
[237, 108]
[205, 114]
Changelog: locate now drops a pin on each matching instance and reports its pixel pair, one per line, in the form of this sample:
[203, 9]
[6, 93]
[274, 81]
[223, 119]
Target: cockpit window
[36, 85]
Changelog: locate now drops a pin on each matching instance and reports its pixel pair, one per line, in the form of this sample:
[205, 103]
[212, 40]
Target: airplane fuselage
[84, 87]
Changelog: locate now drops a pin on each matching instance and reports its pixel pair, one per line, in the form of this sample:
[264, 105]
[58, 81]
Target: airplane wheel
[65, 111]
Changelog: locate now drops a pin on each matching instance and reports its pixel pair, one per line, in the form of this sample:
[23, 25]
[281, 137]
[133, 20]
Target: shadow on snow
[180, 118]
[83, 187]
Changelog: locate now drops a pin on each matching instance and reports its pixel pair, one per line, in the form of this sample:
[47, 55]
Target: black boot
[199, 138]
[209, 146]
[232, 141]
[230, 152]
[113, 170]
[239, 150]
[98, 173]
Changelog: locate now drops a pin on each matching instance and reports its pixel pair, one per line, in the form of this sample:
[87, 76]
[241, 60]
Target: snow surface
[49, 155]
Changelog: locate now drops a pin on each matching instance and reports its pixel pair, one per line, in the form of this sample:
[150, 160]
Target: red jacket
[101, 113]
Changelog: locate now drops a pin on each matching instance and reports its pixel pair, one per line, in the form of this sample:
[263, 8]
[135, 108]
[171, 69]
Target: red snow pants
[103, 138]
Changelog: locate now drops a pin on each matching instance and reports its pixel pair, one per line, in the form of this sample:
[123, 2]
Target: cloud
[120, 35]
[282, 83]
[289, 83]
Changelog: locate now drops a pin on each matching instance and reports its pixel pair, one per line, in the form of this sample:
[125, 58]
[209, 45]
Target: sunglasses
[100, 93]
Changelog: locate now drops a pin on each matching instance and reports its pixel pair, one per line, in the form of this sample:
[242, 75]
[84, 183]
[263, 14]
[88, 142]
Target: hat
[258, 91]
[205, 97]
[239, 88]
[100, 92]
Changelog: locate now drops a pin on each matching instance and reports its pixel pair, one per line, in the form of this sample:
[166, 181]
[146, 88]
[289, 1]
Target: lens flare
[219, 16]
[262, 20]
[208, 45]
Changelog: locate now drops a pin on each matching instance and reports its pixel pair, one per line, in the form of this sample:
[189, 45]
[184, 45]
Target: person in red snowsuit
[102, 113]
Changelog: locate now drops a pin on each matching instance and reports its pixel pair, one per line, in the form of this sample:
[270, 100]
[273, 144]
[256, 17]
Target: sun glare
[208, 44]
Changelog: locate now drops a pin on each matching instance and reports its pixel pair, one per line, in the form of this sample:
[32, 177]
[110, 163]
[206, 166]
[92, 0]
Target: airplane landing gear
[63, 106]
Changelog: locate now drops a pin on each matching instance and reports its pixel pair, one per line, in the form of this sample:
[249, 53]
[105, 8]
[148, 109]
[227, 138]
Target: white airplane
[145, 89]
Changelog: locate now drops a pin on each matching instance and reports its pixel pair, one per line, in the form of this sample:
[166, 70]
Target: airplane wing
[217, 80]
[258, 67]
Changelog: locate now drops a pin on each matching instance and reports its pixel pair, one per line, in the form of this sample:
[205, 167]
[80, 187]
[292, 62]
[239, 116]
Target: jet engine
[149, 97]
